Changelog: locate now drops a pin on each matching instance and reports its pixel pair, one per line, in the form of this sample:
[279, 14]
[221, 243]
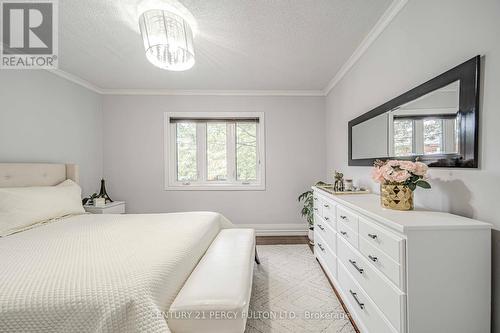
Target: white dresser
[408, 272]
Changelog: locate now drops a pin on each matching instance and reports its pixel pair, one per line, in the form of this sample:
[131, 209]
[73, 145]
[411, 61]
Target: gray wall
[44, 118]
[134, 158]
[425, 39]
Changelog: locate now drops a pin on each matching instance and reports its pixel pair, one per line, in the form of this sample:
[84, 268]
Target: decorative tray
[329, 189]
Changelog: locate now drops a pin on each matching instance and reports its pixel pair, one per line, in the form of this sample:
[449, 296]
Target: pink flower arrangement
[394, 172]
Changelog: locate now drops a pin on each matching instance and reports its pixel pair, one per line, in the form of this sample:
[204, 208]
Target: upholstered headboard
[36, 174]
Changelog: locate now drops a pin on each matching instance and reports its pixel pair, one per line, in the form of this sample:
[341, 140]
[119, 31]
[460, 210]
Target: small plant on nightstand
[308, 210]
[90, 199]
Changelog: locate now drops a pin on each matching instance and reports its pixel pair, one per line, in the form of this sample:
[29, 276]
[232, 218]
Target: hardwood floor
[276, 240]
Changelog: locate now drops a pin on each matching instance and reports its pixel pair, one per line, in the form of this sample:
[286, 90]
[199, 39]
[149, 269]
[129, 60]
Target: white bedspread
[100, 273]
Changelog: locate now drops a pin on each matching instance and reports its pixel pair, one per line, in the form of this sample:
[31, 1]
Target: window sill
[218, 187]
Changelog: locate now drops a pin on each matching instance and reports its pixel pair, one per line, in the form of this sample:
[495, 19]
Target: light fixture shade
[168, 40]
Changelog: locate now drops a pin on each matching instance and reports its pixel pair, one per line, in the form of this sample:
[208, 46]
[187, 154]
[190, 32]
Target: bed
[120, 273]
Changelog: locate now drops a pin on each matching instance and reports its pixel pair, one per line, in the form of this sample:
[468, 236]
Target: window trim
[170, 179]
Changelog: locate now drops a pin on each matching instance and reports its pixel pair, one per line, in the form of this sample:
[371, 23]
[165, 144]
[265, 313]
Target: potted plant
[90, 200]
[398, 180]
[308, 210]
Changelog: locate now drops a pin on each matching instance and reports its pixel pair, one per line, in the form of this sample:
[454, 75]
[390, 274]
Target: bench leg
[257, 260]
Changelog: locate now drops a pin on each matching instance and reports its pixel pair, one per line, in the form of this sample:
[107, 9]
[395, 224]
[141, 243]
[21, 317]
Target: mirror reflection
[428, 125]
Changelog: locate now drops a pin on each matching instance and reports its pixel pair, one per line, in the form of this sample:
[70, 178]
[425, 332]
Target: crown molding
[167, 92]
[174, 92]
[379, 27]
[76, 79]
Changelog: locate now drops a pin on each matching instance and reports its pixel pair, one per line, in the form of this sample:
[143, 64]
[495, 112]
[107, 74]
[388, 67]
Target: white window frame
[170, 155]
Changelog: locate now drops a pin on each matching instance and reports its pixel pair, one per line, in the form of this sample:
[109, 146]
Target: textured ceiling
[241, 44]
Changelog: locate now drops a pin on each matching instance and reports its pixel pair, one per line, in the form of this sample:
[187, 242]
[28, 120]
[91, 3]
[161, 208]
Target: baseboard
[280, 229]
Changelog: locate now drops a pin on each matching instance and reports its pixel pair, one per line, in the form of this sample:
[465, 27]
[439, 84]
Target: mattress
[100, 273]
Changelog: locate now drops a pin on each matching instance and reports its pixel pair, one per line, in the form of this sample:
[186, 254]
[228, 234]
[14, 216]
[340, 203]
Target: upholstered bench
[216, 296]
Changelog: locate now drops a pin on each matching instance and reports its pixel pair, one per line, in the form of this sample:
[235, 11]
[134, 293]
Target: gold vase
[397, 197]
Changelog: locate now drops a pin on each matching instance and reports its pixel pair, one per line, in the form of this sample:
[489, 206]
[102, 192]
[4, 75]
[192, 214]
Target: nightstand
[115, 207]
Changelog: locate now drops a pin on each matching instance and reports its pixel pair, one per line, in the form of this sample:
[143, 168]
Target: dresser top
[401, 221]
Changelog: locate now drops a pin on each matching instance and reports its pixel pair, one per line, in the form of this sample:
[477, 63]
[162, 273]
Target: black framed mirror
[436, 123]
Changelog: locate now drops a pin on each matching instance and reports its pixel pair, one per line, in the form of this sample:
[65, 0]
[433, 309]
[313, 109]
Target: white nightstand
[115, 207]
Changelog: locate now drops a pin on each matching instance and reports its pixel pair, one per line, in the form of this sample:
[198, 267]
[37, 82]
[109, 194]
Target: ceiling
[241, 44]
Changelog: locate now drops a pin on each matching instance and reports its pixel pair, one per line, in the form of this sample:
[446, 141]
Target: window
[217, 151]
[214, 151]
[186, 152]
[433, 136]
[403, 137]
[420, 136]
[246, 151]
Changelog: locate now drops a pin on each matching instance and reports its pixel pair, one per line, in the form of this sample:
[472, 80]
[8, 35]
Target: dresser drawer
[348, 217]
[330, 219]
[326, 256]
[383, 240]
[388, 298]
[384, 263]
[347, 233]
[329, 208]
[367, 312]
[326, 233]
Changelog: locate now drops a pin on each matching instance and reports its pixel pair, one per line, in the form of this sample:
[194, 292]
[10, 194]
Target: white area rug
[291, 294]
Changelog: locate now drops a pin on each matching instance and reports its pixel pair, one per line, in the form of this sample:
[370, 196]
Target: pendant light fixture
[168, 40]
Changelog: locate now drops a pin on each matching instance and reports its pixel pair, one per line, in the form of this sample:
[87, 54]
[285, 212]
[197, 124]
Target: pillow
[22, 207]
